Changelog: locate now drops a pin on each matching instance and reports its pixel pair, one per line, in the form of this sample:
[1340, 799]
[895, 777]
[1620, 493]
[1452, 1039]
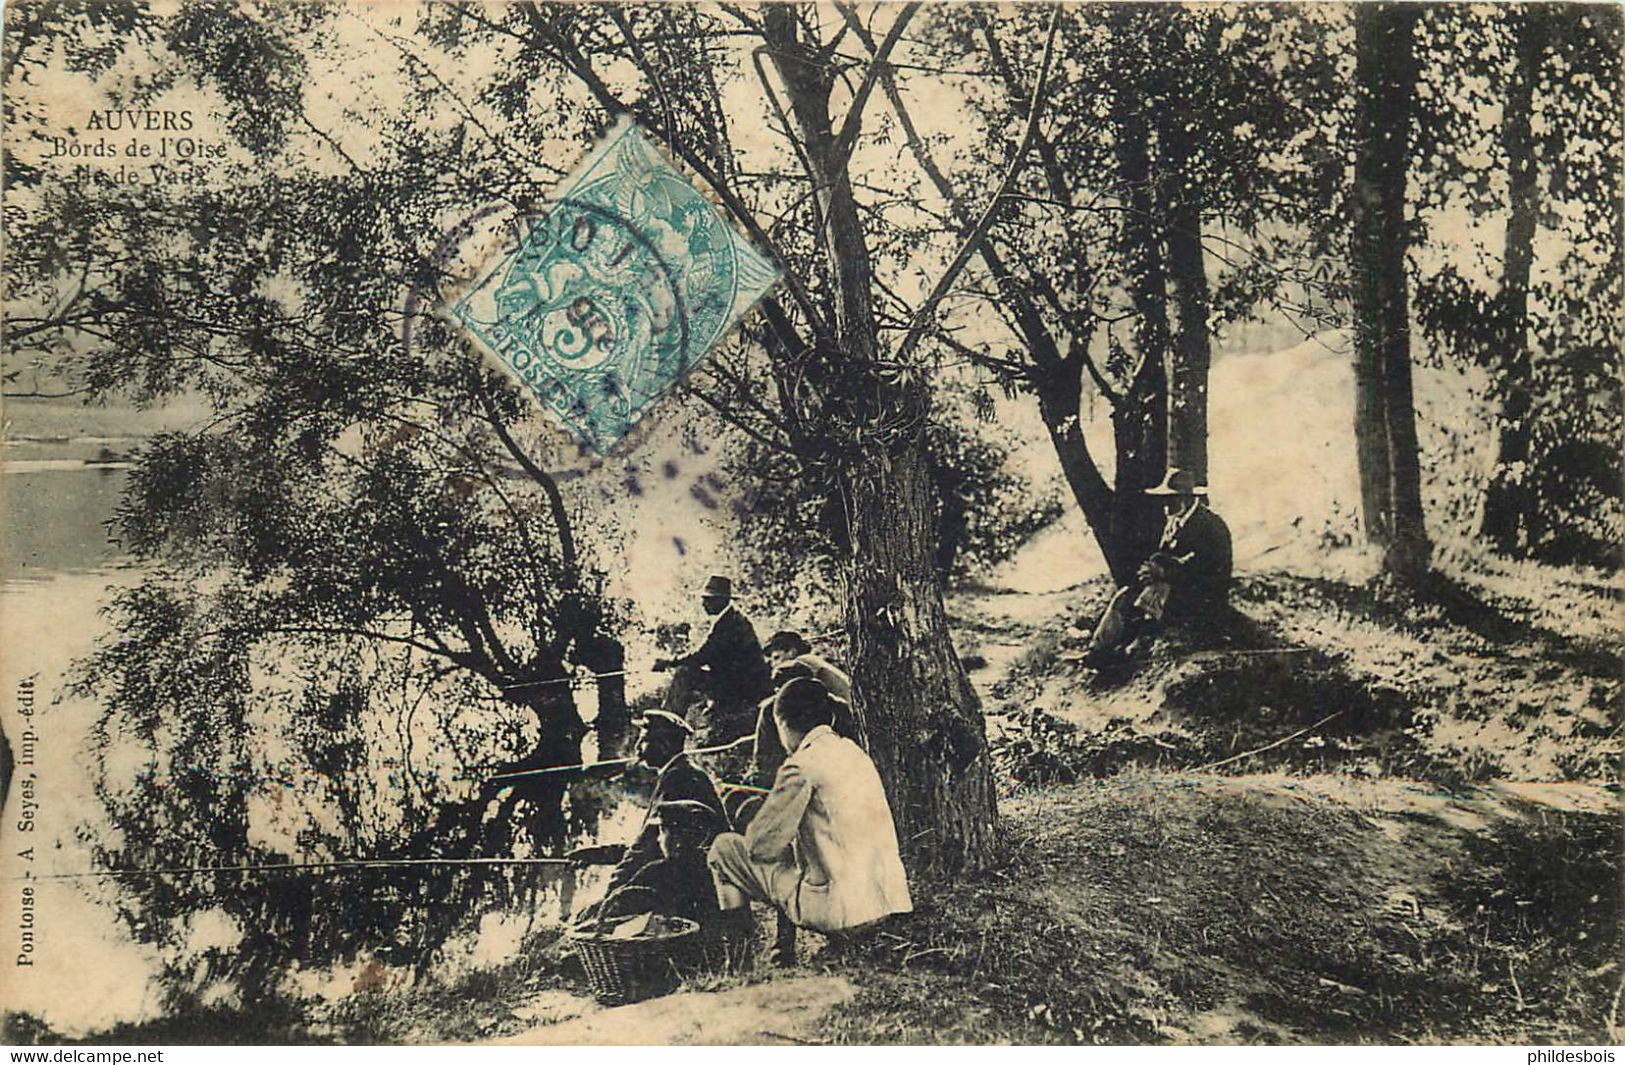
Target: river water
[64, 957]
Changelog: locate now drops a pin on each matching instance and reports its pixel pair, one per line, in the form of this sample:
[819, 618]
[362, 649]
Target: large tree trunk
[1140, 418]
[913, 700]
[1385, 414]
[1192, 351]
[1508, 505]
[911, 695]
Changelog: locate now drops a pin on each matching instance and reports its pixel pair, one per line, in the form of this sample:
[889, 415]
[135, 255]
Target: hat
[791, 670]
[664, 719]
[721, 587]
[683, 813]
[1178, 483]
[789, 640]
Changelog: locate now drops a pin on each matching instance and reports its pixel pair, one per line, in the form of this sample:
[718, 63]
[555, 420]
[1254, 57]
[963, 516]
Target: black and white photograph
[528, 522]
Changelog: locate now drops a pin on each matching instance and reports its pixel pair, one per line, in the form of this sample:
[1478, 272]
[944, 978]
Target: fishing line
[381, 863]
[740, 742]
[340, 863]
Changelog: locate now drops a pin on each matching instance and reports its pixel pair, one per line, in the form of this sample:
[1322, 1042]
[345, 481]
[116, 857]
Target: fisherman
[660, 747]
[729, 669]
[823, 847]
[788, 646]
[678, 883]
[1187, 576]
[792, 656]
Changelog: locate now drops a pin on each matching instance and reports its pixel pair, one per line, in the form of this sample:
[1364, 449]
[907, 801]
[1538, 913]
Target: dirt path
[782, 1011]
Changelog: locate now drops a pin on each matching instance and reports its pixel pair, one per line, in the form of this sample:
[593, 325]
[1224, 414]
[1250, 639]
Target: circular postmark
[589, 294]
[582, 306]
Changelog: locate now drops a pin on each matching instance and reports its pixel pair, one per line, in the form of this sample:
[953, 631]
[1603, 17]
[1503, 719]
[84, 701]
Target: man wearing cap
[823, 846]
[660, 747]
[1187, 576]
[678, 883]
[728, 667]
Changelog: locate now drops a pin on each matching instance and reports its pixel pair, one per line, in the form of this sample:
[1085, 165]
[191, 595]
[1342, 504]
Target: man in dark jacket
[729, 669]
[660, 747]
[678, 883]
[1187, 576]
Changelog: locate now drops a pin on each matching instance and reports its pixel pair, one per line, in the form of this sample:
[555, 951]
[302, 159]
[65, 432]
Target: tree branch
[618, 14]
[578, 65]
[846, 139]
[465, 660]
[549, 486]
[978, 232]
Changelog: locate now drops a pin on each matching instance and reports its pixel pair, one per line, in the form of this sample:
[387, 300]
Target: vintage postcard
[810, 523]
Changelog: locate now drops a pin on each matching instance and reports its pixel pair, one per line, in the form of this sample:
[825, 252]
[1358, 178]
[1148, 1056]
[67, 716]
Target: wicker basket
[629, 970]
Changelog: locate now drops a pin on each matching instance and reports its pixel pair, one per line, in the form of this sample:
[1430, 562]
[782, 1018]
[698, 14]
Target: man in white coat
[823, 847]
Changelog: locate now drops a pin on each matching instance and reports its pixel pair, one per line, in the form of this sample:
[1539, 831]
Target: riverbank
[1400, 824]
[1148, 908]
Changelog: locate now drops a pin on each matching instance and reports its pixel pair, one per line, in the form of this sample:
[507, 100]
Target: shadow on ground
[1208, 910]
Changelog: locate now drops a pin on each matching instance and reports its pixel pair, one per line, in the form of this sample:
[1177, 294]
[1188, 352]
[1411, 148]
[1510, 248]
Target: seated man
[823, 847]
[728, 669]
[1187, 576]
[792, 656]
[678, 883]
[769, 753]
[660, 747]
[786, 646]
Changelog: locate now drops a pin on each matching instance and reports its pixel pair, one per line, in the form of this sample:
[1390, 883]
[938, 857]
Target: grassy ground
[1478, 679]
[1341, 815]
[1385, 871]
[1150, 908]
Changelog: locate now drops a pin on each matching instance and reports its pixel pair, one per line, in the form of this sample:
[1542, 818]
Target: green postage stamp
[615, 290]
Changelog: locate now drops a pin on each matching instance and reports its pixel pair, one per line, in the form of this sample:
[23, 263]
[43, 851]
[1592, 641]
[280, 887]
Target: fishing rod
[574, 679]
[582, 678]
[583, 767]
[338, 863]
[346, 863]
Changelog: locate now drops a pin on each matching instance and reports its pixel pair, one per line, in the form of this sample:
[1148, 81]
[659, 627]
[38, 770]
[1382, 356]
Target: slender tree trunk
[546, 696]
[1192, 352]
[1140, 419]
[559, 744]
[604, 654]
[1140, 430]
[911, 695]
[1508, 505]
[1060, 398]
[1385, 414]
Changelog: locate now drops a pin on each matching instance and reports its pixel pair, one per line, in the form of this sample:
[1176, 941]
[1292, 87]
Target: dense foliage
[365, 580]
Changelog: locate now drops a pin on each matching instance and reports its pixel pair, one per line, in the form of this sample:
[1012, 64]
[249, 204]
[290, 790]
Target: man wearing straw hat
[1187, 576]
[729, 668]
